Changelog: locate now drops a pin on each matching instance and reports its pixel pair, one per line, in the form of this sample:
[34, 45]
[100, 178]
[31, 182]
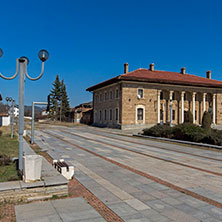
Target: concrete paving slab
[14, 185]
[129, 186]
[65, 210]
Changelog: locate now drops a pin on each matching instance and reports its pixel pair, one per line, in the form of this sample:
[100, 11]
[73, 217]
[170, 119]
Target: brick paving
[76, 189]
[7, 212]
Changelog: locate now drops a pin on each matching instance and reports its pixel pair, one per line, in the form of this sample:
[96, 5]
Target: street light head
[8, 99]
[43, 55]
[1, 53]
[24, 58]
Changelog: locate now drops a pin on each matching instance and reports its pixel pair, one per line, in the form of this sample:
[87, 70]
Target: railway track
[138, 172]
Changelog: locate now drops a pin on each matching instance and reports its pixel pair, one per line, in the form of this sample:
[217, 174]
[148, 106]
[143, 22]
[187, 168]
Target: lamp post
[21, 67]
[10, 99]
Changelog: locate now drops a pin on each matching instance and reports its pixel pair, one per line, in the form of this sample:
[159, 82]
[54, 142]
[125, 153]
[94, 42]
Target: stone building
[82, 113]
[146, 97]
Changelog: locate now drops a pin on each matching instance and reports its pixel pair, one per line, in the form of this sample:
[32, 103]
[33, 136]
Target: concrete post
[33, 119]
[214, 108]
[182, 106]
[194, 107]
[171, 107]
[158, 106]
[204, 102]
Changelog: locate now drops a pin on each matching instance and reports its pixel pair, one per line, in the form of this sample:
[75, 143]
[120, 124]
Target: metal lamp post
[21, 67]
[10, 99]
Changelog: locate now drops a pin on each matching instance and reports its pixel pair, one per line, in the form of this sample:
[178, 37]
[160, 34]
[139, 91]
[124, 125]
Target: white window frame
[138, 95]
[139, 107]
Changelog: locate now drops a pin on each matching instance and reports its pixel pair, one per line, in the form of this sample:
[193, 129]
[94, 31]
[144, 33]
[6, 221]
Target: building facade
[146, 97]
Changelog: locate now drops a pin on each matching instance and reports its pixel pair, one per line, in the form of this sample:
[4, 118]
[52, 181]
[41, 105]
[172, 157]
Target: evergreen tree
[59, 102]
[206, 121]
[188, 117]
[55, 96]
[64, 101]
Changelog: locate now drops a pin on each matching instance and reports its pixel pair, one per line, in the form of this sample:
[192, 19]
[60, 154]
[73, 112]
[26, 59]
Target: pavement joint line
[122, 195]
[145, 154]
[56, 211]
[155, 146]
[156, 179]
[108, 214]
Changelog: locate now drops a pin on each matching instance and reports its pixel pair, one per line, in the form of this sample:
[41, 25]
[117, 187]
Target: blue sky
[89, 41]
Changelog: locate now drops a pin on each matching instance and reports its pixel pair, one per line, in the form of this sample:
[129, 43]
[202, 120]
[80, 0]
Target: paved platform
[65, 210]
[52, 183]
[133, 197]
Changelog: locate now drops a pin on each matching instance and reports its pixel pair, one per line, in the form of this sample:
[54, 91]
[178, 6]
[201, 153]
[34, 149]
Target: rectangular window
[173, 96]
[110, 114]
[173, 116]
[100, 115]
[140, 93]
[100, 97]
[110, 95]
[117, 114]
[105, 114]
[139, 114]
[161, 114]
[106, 95]
[161, 95]
[117, 93]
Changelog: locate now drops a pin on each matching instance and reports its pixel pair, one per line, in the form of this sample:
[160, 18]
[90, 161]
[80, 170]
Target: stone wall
[128, 102]
[107, 105]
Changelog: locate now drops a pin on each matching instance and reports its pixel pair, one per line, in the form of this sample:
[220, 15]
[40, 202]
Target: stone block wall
[128, 101]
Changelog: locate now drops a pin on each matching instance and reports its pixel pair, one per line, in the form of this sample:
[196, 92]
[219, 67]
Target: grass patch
[8, 173]
[8, 149]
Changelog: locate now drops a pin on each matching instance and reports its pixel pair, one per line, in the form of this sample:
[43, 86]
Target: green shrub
[206, 121]
[213, 137]
[159, 131]
[188, 117]
[189, 132]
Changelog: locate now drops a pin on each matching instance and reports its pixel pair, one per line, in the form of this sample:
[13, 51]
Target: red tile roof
[163, 77]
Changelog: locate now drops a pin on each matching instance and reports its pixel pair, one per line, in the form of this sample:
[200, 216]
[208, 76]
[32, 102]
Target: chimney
[208, 74]
[126, 68]
[183, 70]
[152, 67]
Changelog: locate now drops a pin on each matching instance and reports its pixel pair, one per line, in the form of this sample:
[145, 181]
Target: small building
[44, 113]
[16, 111]
[145, 97]
[4, 120]
[82, 113]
